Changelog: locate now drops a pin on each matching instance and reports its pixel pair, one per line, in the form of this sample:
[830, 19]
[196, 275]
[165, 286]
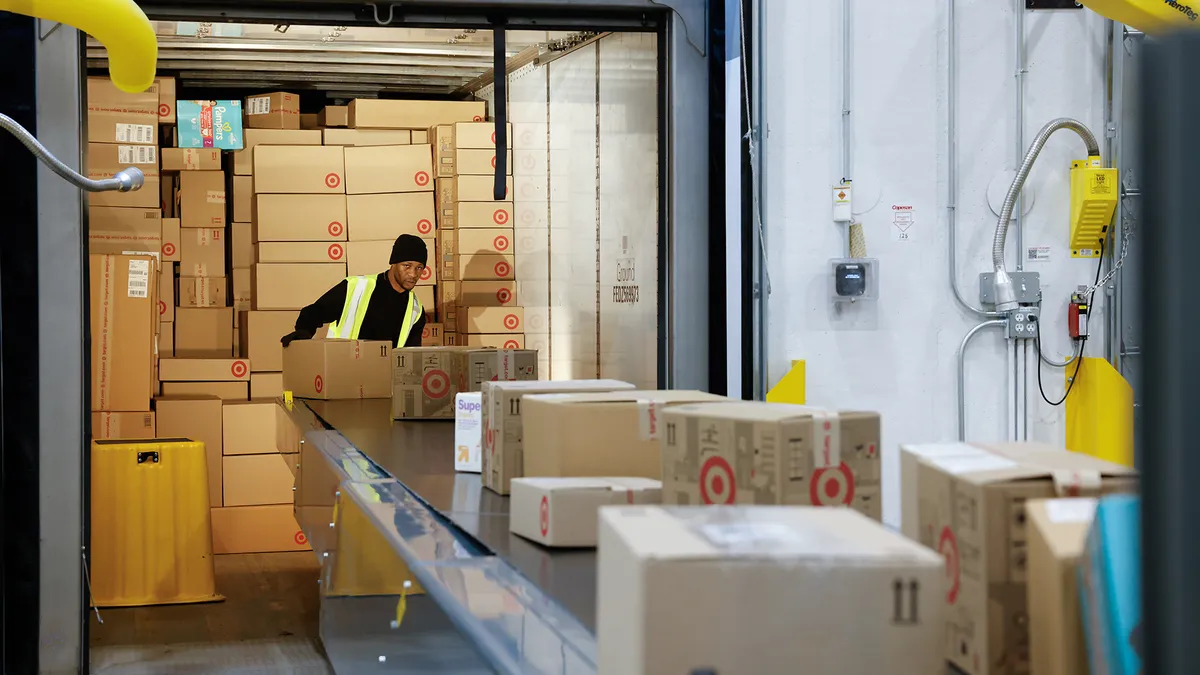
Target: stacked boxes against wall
[479, 295]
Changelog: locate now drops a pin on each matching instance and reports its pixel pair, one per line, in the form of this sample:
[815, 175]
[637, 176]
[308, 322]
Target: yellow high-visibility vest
[358, 297]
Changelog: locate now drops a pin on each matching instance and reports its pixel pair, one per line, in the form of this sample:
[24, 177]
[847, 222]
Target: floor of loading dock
[268, 623]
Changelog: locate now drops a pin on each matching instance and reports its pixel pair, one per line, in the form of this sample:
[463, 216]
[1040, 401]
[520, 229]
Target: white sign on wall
[903, 219]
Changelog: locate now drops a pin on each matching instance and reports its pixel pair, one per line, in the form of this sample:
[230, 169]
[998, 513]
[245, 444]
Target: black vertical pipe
[500, 109]
[719, 264]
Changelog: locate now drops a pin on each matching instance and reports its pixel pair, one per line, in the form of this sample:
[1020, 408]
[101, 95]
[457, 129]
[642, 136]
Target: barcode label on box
[139, 279]
[154, 253]
[259, 105]
[135, 133]
[137, 154]
[1071, 510]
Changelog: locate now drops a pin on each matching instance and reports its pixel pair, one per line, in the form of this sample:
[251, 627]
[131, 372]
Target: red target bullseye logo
[168, 249]
[421, 178]
[544, 515]
[493, 138]
[319, 384]
[436, 384]
[425, 332]
[335, 229]
[164, 110]
[948, 547]
[503, 296]
[238, 369]
[332, 180]
[336, 251]
[717, 485]
[500, 217]
[511, 321]
[424, 226]
[489, 438]
[162, 307]
[832, 486]
[427, 274]
[493, 161]
[501, 269]
[500, 243]
[300, 539]
[477, 118]
[511, 344]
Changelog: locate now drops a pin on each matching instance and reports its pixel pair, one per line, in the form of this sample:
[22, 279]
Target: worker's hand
[295, 335]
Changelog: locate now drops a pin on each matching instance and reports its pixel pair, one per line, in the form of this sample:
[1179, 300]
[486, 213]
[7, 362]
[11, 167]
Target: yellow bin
[151, 529]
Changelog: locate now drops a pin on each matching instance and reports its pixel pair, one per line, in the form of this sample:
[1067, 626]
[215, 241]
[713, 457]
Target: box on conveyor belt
[299, 169]
[614, 433]
[480, 267]
[300, 252]
[202, 252]
[503, 428]
[191, 159]
[106, 159]
[387, 216]
[1110, 593]
[257, 529]
[203, 333]
[331, 369]
[259, 334]
[334, 116]
[736, 578]
[299, 218]
[115, 230]
[243, 160]
[971, 508]
[468, 431]
[114, 425]
[367, 113]
[491, 320]
[425, 379]
[382, 169]
[196, 418]
[277, 110]
[209, 124]
[166, 99]
[202, 199]
[170, 240]
[241, 189]
[124, 321]
[564, 512]
[203, 292]
[116, 116]
[266, 385]
[367, 137]
[1058, 531]
[293, 286]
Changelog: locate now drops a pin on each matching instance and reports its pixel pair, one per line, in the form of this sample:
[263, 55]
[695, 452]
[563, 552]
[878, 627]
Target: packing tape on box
[827, 440]
[505, 369]
[648, 418]
[1076, 482]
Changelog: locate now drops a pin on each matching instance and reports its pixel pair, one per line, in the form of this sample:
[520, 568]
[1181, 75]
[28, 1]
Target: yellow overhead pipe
[1149, 16]
[120, 25]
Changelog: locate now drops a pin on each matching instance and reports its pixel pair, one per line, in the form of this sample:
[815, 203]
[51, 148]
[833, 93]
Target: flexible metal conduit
[962, 372]
[123, 181]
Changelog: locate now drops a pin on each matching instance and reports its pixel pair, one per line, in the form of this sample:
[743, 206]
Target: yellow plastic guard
[1100, 413]
[151, 530]
[1148, 16]
[1093, 202]
[364, 564]
[790, 388]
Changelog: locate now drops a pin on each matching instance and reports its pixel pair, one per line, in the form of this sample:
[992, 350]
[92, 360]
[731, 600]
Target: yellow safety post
[1100, 412]
[790, 388]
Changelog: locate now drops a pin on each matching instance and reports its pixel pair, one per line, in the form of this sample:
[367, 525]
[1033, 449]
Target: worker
[373, 307]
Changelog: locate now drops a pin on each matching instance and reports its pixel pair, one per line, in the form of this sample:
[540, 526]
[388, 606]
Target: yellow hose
[120, 25]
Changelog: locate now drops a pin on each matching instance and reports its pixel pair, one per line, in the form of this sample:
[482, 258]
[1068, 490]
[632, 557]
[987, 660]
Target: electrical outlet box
[853, 279]
[1027, 285]
[1022, 324]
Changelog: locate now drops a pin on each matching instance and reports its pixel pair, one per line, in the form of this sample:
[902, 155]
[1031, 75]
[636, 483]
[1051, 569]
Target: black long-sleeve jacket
[383, 320]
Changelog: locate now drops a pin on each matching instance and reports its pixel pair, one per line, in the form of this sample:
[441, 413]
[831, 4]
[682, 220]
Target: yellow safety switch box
[1094, 194]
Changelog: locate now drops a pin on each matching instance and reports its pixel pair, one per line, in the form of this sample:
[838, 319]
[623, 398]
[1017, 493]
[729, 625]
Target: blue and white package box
[210, 124]
[468, 431]
[1110, 588]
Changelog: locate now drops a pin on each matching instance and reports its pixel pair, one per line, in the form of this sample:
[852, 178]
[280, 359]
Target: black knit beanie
[409, 249]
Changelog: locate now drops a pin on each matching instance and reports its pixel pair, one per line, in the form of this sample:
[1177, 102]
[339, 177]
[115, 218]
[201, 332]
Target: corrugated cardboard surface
[468, 189]
[373, 257]
[300, 252]
[226, 391]
[497, 240]
[299, 169]
[398, 114]
[299, 218]
[242, 291]
[241, 246]
[766, 591]
[362, 137]
[203, 291]
[503, 428]
[166, 99]
[266, 385]
[766, 453]
[166, 342]
[477, 162]
[487, 293]
[334, 116]
[203, 370]
[105, 159]
[202, 199]
[191, 159]
[564, 512]
[426, 379]
[491, 320]
[387, 216]
[488, 215]
[202, 252]
[243, 164]
[256, 480]
[118, 425]
[293, 286]
[432, 334]
[116, 116]
[114, 230]
[481, 267]
[277, 110]
[197, 418]
[259, 338]
[242, 188]
[124, 320]
[170, 240]
[203, 333]
[338, 369]
[615, 433]
[510, 341]
[388, 168]
[1057, 536]
[256, 529]
[972, 509]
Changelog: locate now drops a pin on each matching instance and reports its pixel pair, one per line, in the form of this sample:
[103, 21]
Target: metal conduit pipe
[1006, 299]
[125, 180]
[962, 372]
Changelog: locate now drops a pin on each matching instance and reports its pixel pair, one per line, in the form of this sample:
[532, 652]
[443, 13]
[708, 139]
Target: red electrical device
[1077, 317]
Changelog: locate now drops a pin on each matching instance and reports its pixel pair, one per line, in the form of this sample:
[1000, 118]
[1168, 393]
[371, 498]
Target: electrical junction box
[854, 279]
[1022, 324]
[1094, 195]
[842, 206]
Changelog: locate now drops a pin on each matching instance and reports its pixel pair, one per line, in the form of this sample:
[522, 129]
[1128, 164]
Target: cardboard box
[259, 334]
[249, 428]
[361, 137]
[166, 184]
[334, 116]
[202, 370]
[241, 246]
[449, 138]
[431, 334]
[488, 215]
[243, 161]
[387, 216]
[104, 160]
[1111, 598]
[210, 124]
[565, 512]
[115, 116]
[242, 188]
[122, 425]
[196, 418]
[337, 369]
[266, 385]
[166, 99]
[714, 569]
[124, 319]
[115, 231]
[494, 241]
[293, 286]
[420, 136]
[278, 110]
[487, 293]
[242, 291]
[171, 239]
[910, 476]
[202, 199]
[468, 189]
[203, 333]
[475, 162]
[166, 342]
[468, 431]
[482, 267]
[388, 168]
[367, 113]
[310, 121]
[491, 320]
[425, 379]
[166, 293]
[298, 169]
[427, 298]
[199, 292]
[372, 257]
[493, 341]
[257, 529]
[202, 252]
[972, 510]
[226, 391]
[299, 218]
[1057, 538]
[257, 480]
[503, 424]
[302, 252]
[191, 159]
